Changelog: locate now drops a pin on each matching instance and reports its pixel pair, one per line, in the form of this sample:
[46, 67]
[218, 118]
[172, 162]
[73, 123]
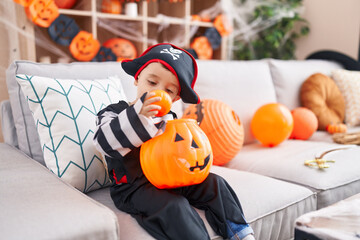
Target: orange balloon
[221, 125]
[272, 124]
[305, 123]
[181, 156]
[165, 102]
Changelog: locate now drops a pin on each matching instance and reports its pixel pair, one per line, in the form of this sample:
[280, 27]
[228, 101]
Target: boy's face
[155, 76]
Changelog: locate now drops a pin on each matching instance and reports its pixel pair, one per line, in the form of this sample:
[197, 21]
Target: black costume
[165, 214]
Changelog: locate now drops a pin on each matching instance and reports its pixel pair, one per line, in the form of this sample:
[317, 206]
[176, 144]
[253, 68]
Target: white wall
[334, 25]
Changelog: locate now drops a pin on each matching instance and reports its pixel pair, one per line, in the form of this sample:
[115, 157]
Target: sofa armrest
[7, 124]
[36, 204]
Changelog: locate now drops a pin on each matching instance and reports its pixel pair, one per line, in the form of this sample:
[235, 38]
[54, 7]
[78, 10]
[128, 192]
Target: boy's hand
[148, 109]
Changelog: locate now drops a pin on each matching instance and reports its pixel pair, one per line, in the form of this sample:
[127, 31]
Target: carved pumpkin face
[202, 47]
[181, 156]
[123, 49]
[84, 47]
[42, 12]
[63, 30]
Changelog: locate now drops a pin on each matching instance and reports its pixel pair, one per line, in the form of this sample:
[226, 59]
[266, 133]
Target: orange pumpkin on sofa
[336, 128]
[221, 125]
[84, 47]
[181, 156]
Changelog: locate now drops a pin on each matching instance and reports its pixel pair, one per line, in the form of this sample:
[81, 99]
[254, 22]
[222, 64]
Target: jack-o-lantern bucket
[181, 156]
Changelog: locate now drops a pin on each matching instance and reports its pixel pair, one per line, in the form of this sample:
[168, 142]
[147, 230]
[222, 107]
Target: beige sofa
[273, 185]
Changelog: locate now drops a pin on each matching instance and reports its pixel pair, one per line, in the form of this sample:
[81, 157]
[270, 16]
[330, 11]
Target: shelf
[73, 12]
[157, 21]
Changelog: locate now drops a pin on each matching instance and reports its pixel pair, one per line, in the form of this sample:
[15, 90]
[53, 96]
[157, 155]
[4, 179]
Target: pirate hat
[181, 63]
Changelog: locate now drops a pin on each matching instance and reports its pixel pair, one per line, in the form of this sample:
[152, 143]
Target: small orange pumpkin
[84, 47]
[181, 156]
[336, 128]
[165, 102]
[111, 6]
[202, 47]
[122, 48]
[42, 12]
[221, 125]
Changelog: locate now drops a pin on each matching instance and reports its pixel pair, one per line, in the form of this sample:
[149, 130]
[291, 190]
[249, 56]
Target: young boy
[123, 127]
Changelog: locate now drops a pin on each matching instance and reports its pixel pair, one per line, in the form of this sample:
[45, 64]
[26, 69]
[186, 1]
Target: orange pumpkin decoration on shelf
[66, 4]
[272, 124]
[336, 128]
[84, 47]
[222, 25]
[181, 156]
[221, 125]
[165, 102]
[111, 6]
[305, 123]
[202, 47]
[122, 48]
[24, 3]
[42, 12]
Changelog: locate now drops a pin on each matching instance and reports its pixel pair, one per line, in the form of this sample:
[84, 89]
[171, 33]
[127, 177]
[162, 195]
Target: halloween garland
[83, 46]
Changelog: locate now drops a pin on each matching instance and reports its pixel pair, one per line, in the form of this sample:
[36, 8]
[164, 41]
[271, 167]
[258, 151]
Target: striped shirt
[120, 129]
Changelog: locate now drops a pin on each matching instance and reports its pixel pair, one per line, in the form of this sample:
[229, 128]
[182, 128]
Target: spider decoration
[320, 162]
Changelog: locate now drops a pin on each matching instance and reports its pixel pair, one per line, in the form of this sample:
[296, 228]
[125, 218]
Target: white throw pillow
[349, 85]
[64, 111]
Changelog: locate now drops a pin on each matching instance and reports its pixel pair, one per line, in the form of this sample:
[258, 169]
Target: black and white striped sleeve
[120, 128]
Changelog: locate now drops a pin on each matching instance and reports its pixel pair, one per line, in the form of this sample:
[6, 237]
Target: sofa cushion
[28, 138]
[65, 114]
[270, 206]
[320, 94]
[286, 162]
[243, 85]
[349, 85]
[288, 76]
[37, 205]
